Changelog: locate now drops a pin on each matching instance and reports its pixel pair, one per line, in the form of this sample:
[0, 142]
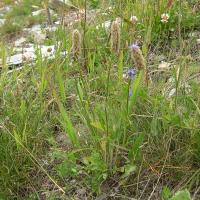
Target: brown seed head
[76, 44]
[197, 6]
[115, 37]
[138, 59]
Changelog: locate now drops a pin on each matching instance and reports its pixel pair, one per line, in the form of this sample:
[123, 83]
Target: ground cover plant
[115, 114]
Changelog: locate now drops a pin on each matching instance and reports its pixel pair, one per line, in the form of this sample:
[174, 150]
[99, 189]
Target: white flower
[133, 19]
[164, 21]
[164, 17]
[82, 11]
[111, 9]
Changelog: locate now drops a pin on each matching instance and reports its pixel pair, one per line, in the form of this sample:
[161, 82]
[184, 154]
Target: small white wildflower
[111, 9]
[133, 19]
[82, 11]
[165, 18]
[164, 21]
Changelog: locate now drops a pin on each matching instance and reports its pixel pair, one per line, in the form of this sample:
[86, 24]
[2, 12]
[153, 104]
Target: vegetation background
[95, 127]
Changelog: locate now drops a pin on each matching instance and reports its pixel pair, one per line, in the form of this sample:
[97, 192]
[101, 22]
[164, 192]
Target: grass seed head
[137, 56]
[76, 44]
[138, 59]
[115, 37]
[197, 6]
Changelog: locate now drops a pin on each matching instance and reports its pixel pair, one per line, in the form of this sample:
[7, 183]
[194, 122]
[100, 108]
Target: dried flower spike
[115, 37]
[76, 44]
[197, 6]
[137, 56]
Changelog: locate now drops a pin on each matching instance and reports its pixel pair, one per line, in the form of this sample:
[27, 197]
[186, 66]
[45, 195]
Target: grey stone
[39, 36]
[2, 21]
[59, 3]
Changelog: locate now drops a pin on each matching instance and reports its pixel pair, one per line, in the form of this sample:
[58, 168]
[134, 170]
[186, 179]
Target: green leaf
[181, 195]
[62, 88]
[135, 88]
[17, 138]
[97, 125]
[128, 170]
[121, 67]
[67, 120]
[166, 193]
[134, 151]
[80, 91]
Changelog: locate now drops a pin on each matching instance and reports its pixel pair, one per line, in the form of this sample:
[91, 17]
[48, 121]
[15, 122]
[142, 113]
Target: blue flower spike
[130, 93]
[133, 46]
[131, 73]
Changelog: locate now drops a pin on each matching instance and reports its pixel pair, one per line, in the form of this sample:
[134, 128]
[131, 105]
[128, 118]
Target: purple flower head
[133, 46]
[131, 73]
[130, 93]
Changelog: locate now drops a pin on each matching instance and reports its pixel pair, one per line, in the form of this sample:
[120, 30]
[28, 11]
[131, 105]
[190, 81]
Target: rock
[35, 13]
[38, 35]
[192, 34]
[188, 58]
[80, 192]
[5, 9]
[20, 41]
[171, 80]
[103, 196]
[164, 65]
[55, 4]
[172, 93]
[2, 21]
[29, 55]
[49, 28]
[198, 41]
[160, 57]
[35, 26]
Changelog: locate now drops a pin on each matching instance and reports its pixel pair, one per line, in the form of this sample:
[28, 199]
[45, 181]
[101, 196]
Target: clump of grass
[10, 26]
[19, 9]
[7, 2]
[38, 19]
[113, 137]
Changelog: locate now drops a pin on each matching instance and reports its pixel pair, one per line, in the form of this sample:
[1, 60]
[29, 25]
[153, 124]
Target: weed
[102, 121]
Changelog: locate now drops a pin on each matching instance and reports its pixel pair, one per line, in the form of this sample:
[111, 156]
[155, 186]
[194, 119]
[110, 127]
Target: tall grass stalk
[80, 92]
[66, 122]
[177, 80]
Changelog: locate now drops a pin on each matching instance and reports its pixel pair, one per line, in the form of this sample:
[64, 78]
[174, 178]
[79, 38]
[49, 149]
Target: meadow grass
[82, 124]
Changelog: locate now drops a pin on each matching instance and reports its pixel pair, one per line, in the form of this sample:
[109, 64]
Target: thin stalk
[181, 49]
[85, 91]
[126, 120]
[84, 32]
[106, 100]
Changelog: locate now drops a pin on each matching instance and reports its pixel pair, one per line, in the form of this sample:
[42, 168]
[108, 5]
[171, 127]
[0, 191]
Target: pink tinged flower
[133, 19]
[165, 18]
